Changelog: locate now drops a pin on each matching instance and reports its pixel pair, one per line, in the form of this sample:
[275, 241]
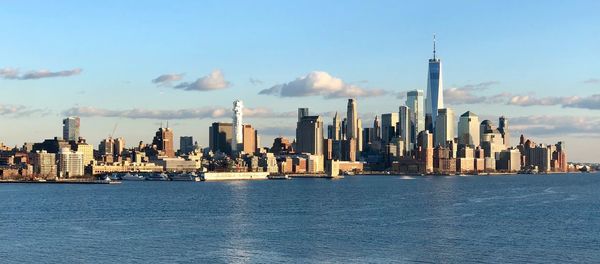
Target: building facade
[71, 128]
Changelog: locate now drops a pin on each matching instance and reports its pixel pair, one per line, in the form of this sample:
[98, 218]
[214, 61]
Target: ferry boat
[157, 177]
[114, 177]
[132, 177]
[279, 177]
[184, 177]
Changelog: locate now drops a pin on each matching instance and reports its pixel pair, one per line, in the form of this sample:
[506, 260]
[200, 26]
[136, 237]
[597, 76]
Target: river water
[359, 219]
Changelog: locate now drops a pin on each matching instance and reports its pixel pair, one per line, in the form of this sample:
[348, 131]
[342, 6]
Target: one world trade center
[435, 92]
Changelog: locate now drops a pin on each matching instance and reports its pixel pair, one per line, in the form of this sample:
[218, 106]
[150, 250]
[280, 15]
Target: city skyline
[545, 96]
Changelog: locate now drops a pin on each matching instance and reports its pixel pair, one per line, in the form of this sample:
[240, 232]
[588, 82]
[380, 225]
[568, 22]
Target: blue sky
[544, 51]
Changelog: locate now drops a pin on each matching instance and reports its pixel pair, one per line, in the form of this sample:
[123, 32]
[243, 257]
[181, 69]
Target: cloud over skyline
[473, 94]
[167, 79]
[255, 81]
[189, 113]
[319, 83]
[546, 125]
[213, 81]
[14, 74]
[19, 110]
[591, 102]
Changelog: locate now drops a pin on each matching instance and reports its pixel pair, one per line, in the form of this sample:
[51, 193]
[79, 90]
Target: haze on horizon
[142, 65]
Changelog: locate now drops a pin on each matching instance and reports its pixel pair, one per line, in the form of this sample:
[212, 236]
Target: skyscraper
[250, 139]
[415, 100]
[336, 130]
[388, 127]
[435, 88]
[119, 146]
[405, 123]
[359, 137]
[302, 112]
[106, 149]
[468, 129]
[220, 137]
[238, 129]
[186, 144]
[71, 128]
[503, 128]
[309, 135]
[445, 127]
[376, 129]
[163, 140]
[352, 118]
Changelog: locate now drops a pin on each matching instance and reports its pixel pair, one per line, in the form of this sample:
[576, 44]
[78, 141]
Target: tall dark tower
[503, 128]
[435, 89]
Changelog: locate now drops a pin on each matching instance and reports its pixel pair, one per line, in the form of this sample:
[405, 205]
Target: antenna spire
[433, 46]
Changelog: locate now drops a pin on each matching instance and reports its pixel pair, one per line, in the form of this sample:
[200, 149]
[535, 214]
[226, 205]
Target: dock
[57, 182]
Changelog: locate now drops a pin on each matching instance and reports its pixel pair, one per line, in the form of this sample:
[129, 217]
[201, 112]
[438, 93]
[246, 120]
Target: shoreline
[57, 182]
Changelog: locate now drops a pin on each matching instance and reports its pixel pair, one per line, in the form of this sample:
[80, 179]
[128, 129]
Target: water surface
[375, 219]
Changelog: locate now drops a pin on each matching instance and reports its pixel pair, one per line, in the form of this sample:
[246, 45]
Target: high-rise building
[70, 163]
[352, 117]
[302, 112]
[71, 128]
[119, 146]
[106, 149]
[368, 137]
[415, 100]
[309, 135]
[238, 128]
[468, 129]
[405, 127]
[348, 149]
[220, 137]
[163, 140]
[508, 160]
[359, 138]
[388, 127]
[376, 130]
[86, 150]
[336, 131]
[435, 88]
[490, 139]
[425, 145]
[250, 139]
[503, 128]
[186, 144]
[539, 156]
[344, 128]
[445, 127]
[44, 164]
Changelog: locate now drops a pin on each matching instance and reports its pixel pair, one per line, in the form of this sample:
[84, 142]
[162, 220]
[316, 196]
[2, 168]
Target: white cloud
[213, 81]
[556, 125]
[190, 113]
[167, 79]
[9, 73]
[472, 94]
[254, 81]
[588, 102]
[19, 110]
[319, 83]
[13, 74]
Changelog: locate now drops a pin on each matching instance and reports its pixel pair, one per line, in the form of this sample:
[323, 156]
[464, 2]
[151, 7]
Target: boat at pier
[279, 177]
[157, 177]
[192, 176]
[132, 177]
